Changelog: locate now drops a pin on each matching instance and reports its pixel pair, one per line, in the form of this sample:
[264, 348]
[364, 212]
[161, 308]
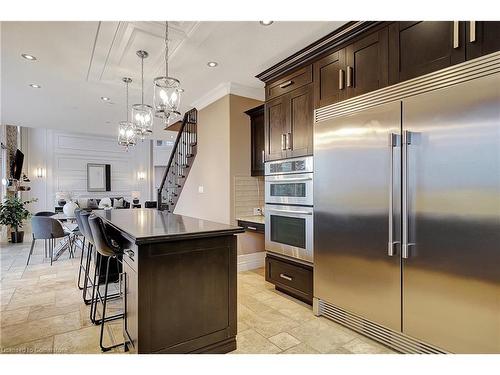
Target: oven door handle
[290, 212]
[281, 180]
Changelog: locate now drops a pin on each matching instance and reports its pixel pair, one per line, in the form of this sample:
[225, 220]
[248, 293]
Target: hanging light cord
[166, 48]
[126, 108]
[142, 80]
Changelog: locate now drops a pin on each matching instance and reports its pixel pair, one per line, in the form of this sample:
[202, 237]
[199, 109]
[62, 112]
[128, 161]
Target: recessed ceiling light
[105, 98]
[28, 57]
[35, 86]
[266, 23]
[212, 64]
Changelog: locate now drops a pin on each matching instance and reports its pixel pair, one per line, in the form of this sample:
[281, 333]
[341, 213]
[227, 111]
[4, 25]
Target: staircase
[180, 162]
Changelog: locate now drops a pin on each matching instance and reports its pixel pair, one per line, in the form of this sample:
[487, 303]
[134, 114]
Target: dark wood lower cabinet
[293, 278]
[181, 296]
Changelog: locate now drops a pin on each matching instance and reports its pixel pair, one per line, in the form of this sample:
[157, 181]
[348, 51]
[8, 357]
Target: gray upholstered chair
[45, 213]
[47, 228]
[87, 235]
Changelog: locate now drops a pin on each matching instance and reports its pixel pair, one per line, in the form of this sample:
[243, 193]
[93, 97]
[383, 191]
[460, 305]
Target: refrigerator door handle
[409, 138]
[394, 141]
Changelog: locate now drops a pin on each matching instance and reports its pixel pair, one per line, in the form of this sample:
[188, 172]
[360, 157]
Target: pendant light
[142, 114]
[167, 92]
[126, 133]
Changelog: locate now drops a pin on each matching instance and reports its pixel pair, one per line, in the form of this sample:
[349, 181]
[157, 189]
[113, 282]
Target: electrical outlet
[200, 189]
[257, 211]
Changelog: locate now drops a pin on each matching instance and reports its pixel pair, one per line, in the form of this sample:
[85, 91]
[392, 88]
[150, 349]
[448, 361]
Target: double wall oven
[289, 208]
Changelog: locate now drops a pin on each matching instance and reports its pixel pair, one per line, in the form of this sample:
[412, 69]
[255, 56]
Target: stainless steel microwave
[289, 182]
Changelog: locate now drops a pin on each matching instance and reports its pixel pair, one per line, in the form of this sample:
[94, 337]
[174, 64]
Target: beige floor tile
[301, 349]
[321, 336]
[251, 342]
[41, 346]
[366, 346]
[269, 323]
[45, 311]
[10, 317]
[37, 329]
[19, 299]
[284, 340]
[84, 341]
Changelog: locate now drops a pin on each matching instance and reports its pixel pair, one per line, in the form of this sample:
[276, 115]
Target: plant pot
[16, 237]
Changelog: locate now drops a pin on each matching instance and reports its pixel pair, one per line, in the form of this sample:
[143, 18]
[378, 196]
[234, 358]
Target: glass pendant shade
[142, 117]
[126, 134]
[167, 98]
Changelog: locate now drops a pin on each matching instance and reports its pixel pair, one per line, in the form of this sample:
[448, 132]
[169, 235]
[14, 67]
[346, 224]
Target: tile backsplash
[248, 194]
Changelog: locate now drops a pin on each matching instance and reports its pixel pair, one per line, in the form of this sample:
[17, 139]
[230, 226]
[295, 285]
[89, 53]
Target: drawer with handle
[251, 226]
[290, 277]
[291, 82]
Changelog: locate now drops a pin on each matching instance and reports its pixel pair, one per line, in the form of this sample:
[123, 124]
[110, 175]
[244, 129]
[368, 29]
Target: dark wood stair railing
[180, 162]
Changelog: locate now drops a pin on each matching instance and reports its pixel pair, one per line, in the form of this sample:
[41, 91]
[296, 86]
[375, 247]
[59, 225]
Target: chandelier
[167, 91]
[126, 132]
[142, 114]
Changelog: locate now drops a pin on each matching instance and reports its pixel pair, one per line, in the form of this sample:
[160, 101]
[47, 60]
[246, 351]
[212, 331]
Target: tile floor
[41, 311]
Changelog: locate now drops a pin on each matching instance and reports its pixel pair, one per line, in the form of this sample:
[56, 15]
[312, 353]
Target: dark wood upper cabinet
[417, 48]
[257, 140]
[275, 113]
[290, 82]
[299, 135]
[329, 79]
[367, 64]
[289, 124]
[483, 37]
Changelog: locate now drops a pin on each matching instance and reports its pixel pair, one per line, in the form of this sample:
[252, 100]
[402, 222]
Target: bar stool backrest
[44, 228]
[84, 216]
[101, 240]
[79, 221]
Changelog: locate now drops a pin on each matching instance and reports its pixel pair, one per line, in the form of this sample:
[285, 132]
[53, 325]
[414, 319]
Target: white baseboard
[251, 261]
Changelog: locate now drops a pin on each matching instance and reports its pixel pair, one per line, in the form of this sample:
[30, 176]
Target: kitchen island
[179, 278]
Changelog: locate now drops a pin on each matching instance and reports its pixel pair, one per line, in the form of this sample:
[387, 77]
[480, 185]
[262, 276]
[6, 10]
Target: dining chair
[48, 228]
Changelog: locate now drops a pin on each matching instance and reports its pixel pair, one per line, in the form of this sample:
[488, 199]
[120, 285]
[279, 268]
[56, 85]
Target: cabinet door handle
[472, 32]
[456, 36]
[283, 141]
[286, 84]
[341, 79]
[350, 72]
[263, 156]
[252, 228]
[289, 141]
[286, 277]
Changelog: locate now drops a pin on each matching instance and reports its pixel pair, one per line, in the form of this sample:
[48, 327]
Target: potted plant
[12, 213]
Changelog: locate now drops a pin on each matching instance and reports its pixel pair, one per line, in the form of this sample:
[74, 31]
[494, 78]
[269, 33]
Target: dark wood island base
[179, 278]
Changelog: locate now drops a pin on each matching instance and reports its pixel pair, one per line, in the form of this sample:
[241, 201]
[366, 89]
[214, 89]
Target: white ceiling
[78, 62]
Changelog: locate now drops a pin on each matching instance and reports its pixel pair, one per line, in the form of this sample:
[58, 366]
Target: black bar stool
[108, 249]
[81, 231]
[87, 235]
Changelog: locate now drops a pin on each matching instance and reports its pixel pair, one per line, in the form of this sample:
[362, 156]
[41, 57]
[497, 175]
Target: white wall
[64, 157]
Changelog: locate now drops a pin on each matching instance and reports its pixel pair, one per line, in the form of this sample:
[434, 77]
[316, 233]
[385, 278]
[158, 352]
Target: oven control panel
[297, 165]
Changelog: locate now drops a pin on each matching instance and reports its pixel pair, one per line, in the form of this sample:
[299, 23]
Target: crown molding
[227, 88]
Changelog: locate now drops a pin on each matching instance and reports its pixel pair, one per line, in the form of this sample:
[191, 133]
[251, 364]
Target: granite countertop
[151, 225]
[258, 219]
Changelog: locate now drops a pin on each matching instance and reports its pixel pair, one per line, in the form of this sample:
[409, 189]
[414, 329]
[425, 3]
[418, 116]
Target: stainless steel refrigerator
[407, 211]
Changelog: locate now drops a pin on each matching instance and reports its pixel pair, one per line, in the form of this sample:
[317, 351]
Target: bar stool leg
[93, 300]
[31, 250]
[103, 318]
[81, 265]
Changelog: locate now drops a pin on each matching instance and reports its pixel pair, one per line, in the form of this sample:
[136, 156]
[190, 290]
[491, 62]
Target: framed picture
[98, 177]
